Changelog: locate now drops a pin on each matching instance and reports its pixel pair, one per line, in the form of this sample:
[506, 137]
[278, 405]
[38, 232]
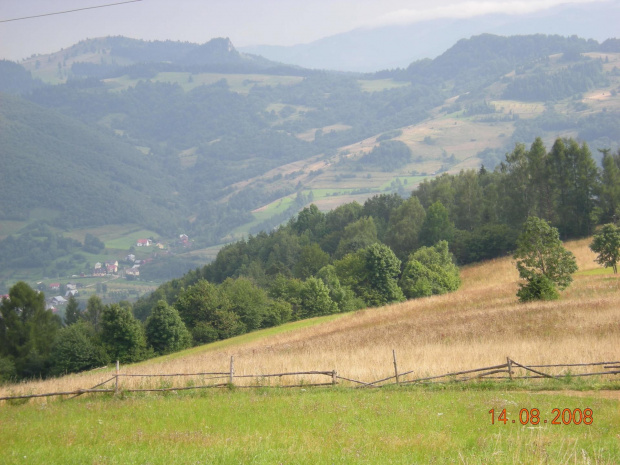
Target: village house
[134, 271]
[99, 271]
[144, 243]
[54, 286]
[58, 300]
[112, 266]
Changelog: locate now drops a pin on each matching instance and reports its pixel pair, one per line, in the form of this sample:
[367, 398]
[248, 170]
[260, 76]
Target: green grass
[595, 271]
[248, 337]
[128, 239]
[307, 426]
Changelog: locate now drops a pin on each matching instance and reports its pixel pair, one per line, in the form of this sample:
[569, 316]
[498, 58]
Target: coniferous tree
[94, 310]
[610, 188]
[27, 330]
[72, 311]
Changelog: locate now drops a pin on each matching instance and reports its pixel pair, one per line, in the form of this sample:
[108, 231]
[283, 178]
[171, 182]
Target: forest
[387, 250]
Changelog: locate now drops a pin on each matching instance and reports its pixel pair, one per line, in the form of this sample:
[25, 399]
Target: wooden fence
[511, 370]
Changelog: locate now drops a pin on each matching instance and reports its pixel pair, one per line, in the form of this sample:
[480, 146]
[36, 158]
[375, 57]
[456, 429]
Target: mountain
[110, 57]
[221, 153]
[82, 174]
[373, 49]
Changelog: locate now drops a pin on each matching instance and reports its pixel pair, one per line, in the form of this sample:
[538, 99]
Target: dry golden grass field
[479, 325]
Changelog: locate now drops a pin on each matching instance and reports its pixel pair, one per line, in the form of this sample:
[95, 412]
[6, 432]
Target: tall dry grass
[479, 325]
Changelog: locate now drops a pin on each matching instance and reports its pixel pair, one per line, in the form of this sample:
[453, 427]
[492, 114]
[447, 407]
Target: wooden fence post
[334, 377]
[509, 363]
[117, 370]
[232, 369]
[395, 366]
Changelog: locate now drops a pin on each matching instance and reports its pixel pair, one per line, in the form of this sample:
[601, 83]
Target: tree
[311, 259]
[343, 296]
[573, 175]
[437, 225]
[76, 349]
[610, 188]
[404, 227]
[315, 299]
[356, 236]
[122, 335]
[246, 300]
[27, 330]
[205, 310]
[430, 271]
[606, 244]
[541, 253]
[165, 331]
[94, 309]
[372, 273]
[72, 311]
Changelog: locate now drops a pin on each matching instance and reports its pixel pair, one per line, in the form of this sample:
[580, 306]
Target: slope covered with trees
[83, 173]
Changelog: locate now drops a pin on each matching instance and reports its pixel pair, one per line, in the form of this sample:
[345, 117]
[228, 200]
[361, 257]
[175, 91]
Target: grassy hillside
[477, 325]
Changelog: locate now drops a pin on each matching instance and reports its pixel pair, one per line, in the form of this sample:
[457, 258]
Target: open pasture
[314, 426]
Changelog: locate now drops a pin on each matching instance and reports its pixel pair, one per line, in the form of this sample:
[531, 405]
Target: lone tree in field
[606, 244]
[542, 261]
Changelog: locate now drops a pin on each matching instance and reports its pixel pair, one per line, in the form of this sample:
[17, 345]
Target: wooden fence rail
[509, 368]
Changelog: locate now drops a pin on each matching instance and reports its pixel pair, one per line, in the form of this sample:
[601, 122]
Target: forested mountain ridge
[80, 172]
[235, 153]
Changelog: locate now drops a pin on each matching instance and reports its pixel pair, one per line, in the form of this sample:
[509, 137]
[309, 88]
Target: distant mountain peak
[216, 51]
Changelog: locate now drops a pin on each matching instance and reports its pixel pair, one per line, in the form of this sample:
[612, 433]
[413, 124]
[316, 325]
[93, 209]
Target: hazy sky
[245, 22]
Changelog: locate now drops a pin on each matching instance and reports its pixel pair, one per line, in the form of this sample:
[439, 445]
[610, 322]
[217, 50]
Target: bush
[538, 288]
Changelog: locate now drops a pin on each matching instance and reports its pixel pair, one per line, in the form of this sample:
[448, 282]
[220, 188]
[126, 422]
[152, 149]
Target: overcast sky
[245, 22]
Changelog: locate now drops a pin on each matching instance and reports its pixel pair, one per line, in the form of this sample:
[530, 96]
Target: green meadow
[310, 426]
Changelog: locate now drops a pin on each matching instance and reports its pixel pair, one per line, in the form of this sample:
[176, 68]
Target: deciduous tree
[165, 331]
[540, 253]
[606, 244]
